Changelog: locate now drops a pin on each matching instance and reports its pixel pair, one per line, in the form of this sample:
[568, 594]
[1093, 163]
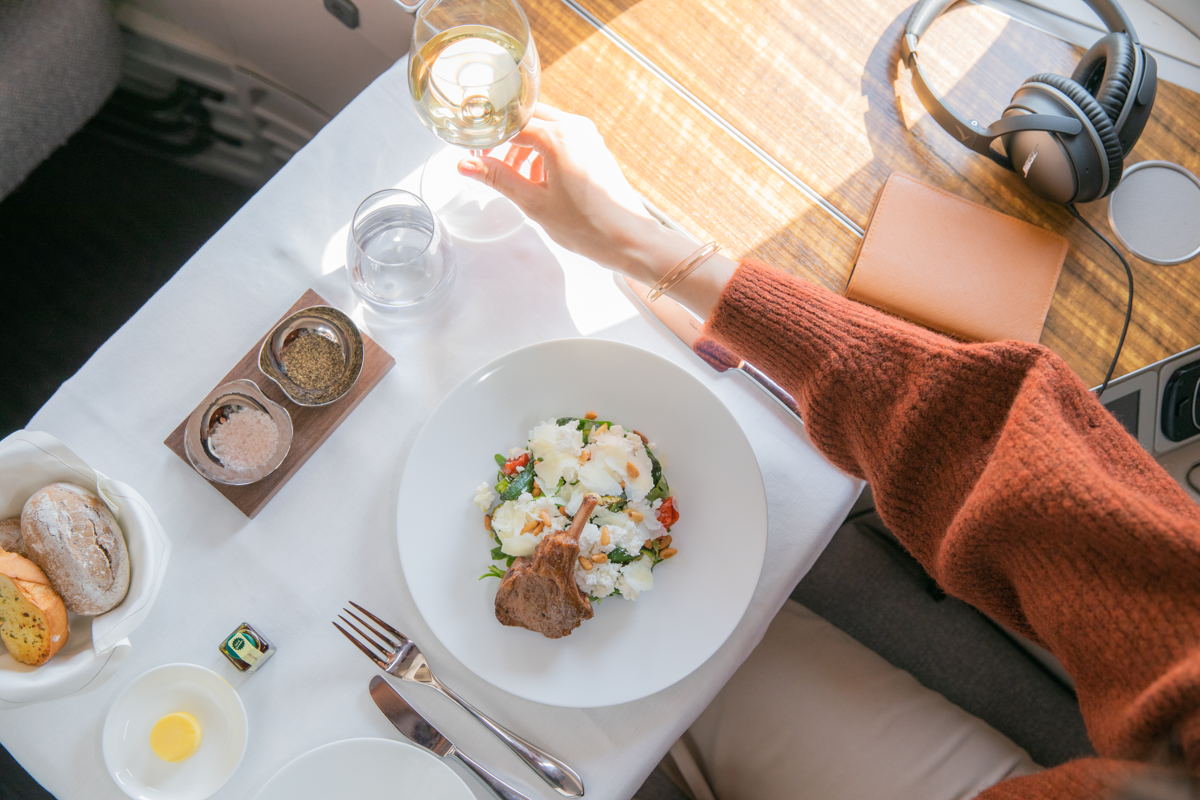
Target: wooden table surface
[771, 126]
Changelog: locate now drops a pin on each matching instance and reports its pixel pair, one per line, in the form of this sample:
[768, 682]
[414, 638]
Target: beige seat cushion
[814, 714]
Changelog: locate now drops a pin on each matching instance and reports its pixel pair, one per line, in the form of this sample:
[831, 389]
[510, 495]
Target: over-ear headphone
[1065, 137]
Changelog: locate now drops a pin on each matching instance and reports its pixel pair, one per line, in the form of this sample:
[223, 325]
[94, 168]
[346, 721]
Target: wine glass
[473, 74]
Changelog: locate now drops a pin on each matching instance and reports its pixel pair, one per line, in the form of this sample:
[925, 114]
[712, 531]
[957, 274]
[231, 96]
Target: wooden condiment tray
[311, 425]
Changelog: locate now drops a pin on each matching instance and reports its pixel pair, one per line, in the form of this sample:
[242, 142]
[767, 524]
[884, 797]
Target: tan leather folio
[956, 266]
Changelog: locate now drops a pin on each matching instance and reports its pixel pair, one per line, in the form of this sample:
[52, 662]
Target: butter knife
[685, 325]
[421, 732]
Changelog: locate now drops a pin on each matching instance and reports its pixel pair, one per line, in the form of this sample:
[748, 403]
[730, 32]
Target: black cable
[1128, 305]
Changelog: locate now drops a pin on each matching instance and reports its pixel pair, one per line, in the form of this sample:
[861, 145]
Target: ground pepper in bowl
[313, 361]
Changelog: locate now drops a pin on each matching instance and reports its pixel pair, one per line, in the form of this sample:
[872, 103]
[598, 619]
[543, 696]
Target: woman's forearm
[1015, 489]
[647, 251]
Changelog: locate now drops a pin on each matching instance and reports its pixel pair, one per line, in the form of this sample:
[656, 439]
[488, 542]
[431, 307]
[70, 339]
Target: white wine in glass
[473, 74]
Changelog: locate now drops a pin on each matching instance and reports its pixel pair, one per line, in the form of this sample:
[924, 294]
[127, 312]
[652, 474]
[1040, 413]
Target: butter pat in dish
[176, 736]
[176, 732]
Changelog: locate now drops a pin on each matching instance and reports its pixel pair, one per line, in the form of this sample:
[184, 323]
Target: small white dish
[699, 596]
[365, 768]
[174, 687]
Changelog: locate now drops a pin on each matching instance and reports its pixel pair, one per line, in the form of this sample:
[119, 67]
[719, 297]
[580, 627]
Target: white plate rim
[467, 793]
[479, 374]
[226, 686]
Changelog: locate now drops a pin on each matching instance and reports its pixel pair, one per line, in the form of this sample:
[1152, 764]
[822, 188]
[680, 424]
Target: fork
[397, 655]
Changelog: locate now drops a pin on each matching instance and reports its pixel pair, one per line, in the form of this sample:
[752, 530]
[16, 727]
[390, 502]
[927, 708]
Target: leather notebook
[956, 266]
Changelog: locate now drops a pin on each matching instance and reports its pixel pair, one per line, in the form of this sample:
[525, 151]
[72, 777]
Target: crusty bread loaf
[73, 536]
[33, 619]
[10, 535]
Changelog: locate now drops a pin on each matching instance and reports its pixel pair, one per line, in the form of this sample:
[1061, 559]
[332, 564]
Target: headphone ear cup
[1106, 72]
[1087, 109]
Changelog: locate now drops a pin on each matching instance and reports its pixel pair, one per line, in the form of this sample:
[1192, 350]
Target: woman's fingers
[516, 156]
[537, 170]
[500, 176]
[538, 134]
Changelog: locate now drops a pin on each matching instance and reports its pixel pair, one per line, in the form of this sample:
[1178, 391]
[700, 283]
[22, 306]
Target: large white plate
[375, 768]
[628, 650]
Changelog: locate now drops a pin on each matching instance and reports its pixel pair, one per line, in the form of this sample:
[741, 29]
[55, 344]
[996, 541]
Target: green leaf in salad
[498, 554]
[660, 488]
[619, 555]
[618, 504]
[517, 485]
[500, 460]
[492, 572]
[654, 556]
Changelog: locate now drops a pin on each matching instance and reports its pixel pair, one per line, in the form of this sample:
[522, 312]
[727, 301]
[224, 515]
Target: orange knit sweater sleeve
[1016, 490]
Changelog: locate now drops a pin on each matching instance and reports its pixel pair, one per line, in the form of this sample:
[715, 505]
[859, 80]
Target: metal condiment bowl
[323, 321]
[220, 403]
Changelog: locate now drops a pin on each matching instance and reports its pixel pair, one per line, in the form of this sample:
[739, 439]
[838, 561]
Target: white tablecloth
[329, 535]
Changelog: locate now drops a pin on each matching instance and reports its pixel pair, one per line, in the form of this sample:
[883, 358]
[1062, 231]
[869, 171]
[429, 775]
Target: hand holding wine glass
[561, 174]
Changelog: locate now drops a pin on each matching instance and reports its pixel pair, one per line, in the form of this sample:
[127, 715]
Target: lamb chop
[539, 593]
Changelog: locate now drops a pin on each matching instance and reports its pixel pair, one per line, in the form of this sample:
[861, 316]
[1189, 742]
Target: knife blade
[421, 732]
[690, 330]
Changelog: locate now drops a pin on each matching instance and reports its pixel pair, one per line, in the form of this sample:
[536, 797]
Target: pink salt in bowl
[238, 435]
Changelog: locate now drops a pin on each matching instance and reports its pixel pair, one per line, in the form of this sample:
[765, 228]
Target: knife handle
[502, 789]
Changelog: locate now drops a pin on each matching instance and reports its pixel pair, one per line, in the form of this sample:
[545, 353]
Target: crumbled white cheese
[485, 496]
[615, 451]
[556, 449]
[599, 581]
[512, 516]
[636, 578]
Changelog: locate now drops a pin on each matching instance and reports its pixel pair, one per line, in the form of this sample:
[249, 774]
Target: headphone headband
[926, 11]
[970, 132]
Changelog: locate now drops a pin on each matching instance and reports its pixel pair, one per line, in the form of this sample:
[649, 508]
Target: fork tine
[384, 650]
[374, 630]
[378, 662]
[386, 627]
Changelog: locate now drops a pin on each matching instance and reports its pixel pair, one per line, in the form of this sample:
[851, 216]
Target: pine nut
[631, 469]
[663, 541]
[605, 538]
[599, 558]
[487, 522]
[665, 554]
[585, 456]
[544, 516]
[642, 436]
[634, 514]
[590, 415]
[529, 525]
[585, 562]
[537, 491]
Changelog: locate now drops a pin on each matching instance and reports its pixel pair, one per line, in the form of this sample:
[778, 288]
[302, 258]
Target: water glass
[396, 254]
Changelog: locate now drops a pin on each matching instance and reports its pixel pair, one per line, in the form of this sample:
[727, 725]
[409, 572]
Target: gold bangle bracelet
[681, 271]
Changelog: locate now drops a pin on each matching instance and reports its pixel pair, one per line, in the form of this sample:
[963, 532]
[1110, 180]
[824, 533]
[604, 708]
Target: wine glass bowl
[473, 75]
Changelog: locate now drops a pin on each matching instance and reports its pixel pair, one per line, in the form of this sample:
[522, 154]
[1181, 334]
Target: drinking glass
[473, 74]
[395, 252]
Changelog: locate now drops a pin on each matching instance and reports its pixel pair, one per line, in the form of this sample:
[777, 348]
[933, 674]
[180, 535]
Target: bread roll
[73, 536]
[33, 619]
[10, 535]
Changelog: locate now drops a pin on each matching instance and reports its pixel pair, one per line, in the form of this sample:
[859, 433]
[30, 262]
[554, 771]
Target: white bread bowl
[30, 460]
